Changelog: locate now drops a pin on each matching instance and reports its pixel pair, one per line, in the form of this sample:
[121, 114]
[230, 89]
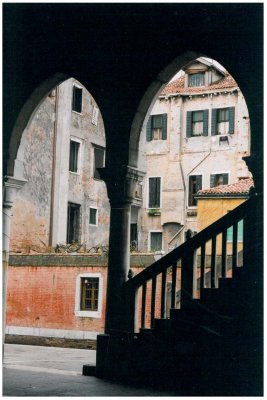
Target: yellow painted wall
[209, 211]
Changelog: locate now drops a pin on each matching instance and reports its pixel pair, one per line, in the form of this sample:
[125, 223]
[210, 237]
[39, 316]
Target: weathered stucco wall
[40, 211]
[31, 211]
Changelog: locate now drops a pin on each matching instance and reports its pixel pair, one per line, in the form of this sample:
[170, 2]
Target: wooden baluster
[174, 275]
[195, 294]
[143, 311]
[202, 266]
[213, 277]
[234, 255]
[224, 254]
[153, 300]
[163, 294]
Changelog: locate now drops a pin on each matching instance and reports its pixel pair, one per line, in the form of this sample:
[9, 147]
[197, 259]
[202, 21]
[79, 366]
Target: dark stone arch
[26, 114]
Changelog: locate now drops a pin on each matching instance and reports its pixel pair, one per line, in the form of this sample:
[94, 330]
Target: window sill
[75, 173]
[76, 112]
[88, 314]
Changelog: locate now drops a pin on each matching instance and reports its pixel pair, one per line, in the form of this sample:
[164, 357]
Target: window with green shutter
[156, 127]
[195, 184]
[223, 121]
[154, 192]
[197, 123]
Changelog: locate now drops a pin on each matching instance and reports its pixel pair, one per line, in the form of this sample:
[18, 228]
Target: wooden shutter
[231, 120]
[212, 181]
[149, 130]
[205, 122]
[225, 179]
[214, 122]
[189, 124]
[164, 126]
[198, 183]
[154, 192]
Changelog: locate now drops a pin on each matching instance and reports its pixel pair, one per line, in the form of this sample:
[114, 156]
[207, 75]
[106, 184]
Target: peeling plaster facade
[40, 212]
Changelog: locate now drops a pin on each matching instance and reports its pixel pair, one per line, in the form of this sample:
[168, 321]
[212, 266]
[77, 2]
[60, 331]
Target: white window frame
[79, 161]
[79, 87]
[149, 238]
[82, 313]
[161, 186]
[220, 173]
[95, 208]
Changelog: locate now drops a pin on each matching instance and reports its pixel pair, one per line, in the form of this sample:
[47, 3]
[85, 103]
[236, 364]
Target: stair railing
[193, 265]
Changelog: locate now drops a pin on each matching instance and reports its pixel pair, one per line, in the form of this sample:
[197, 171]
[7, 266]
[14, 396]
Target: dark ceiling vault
[118, 50]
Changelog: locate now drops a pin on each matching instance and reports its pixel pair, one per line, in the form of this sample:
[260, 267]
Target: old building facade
[63, 200]
[195, 138]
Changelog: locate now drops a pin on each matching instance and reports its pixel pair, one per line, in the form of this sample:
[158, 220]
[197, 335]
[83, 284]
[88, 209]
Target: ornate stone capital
[11, 187]
[121, 181]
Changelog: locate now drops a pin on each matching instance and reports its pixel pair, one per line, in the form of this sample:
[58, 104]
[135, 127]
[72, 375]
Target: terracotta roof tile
[241, 187]
[178, 86]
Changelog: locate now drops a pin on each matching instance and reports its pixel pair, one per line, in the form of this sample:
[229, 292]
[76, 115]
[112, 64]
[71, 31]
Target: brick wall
[41, 290]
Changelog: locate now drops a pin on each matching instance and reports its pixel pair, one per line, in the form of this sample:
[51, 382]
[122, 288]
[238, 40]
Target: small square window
[93, 216]
[218, 179]
[195, 80]
[77, 95]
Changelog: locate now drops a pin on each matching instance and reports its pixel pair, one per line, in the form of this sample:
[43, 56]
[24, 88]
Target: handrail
[187, 253]
[195, 242]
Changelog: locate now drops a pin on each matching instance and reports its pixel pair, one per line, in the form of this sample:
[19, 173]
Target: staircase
[205, 343]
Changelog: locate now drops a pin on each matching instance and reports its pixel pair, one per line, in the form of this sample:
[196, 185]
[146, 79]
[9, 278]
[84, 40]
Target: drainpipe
[53, 171]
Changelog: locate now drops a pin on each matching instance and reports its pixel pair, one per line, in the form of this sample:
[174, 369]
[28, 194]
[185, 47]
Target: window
[77, 95]
[99, 155]
[240, 227]
[88, 298]
[157, 127]
[195, 184]
[223, 121]
[197, 123]
[74, 156]
[218, 179]
[154, 192]
[155, 241]
[73, 223]
[197, 79]
[93, 216]
[95, 115]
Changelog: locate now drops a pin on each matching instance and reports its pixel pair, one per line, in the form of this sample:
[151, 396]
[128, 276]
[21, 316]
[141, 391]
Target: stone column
[121, 185]
[10, 189]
